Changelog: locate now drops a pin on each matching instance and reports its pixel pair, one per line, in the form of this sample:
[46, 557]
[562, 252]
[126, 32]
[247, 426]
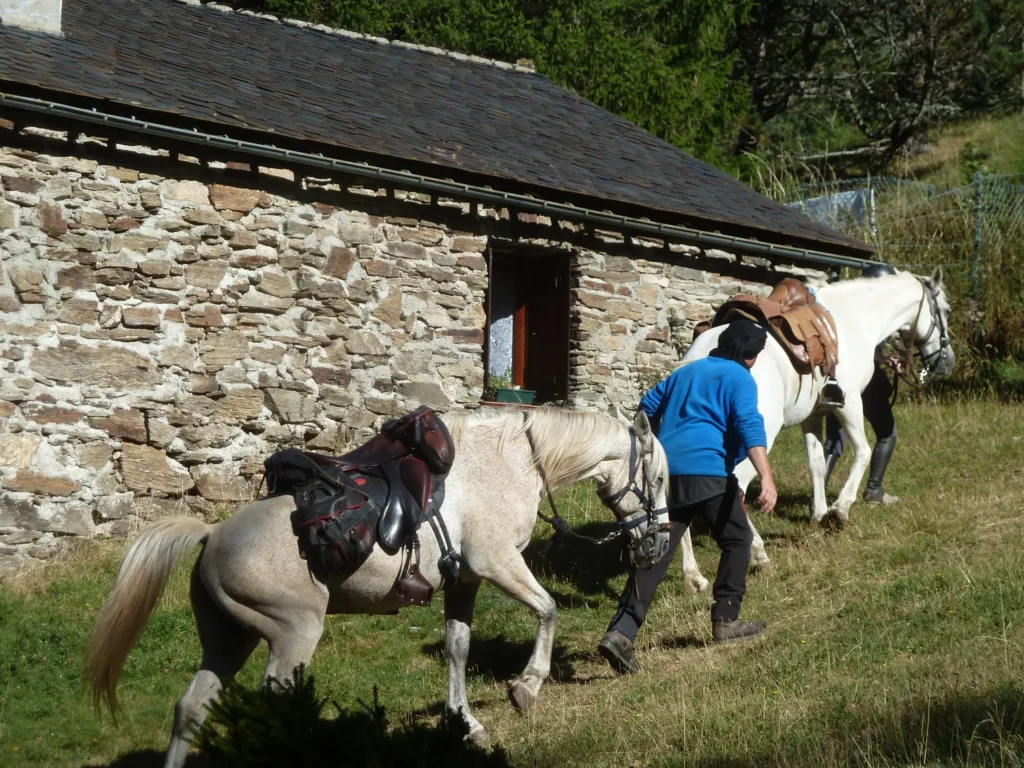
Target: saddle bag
[333, 520]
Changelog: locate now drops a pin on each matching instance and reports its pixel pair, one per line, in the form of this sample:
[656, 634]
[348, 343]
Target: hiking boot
[617, 649]
[736, 631]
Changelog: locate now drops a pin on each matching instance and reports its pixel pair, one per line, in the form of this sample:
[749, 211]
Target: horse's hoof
[478, 735]
[696, 584]
[522, 698]
[759, 562]
[833, 521]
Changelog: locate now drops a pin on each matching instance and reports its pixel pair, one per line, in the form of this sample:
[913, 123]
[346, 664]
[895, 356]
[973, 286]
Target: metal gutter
[685, 235]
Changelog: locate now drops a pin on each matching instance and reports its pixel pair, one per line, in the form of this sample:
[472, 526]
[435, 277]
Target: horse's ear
[619, 416]
[643, 431]
[937, 276]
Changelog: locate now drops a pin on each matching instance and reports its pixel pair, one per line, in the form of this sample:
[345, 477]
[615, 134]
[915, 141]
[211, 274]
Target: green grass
[988, 144]
[894, 643]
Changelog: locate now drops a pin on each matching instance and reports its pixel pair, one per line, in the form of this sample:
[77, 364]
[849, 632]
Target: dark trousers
[877, 411]
[730, 528]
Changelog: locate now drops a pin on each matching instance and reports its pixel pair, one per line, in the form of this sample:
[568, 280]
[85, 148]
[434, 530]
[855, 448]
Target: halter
[931, 294]
[637, 463]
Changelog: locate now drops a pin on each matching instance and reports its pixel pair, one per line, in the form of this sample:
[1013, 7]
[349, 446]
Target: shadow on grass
[501, 659]
[290, 724]
[976, 728]
[150, 758]
[589, 567]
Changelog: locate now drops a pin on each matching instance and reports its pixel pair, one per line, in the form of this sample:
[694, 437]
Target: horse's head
[633, 484]
[931, 333]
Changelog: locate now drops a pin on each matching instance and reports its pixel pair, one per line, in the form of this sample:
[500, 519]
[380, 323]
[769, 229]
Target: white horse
[250, 583]
[867, 311]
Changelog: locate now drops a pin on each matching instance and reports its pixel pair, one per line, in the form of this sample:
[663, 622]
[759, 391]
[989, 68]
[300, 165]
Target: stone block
[225, 198]
[51, 219]
[25, 277]
[366, 343]
[18, 450]
[27, 481]
[186, 191]
[182, 355]
[94, 455]
[123, 424]
[239, 405]
[113, 367]
[9, 217]
[47, 413]
[424, 393]
[79, 311]
[339, 262]
[116, 506]
[476, 263]
[276, 282]
[421, 235]
[141, 317]
[378, 268]
[355, 234]
[72, 519]
[205, 316]
[407, 250]
[290, 407]
[255, 301]
[226, 348]
[221, 485]
[148, 470]
[470, 244]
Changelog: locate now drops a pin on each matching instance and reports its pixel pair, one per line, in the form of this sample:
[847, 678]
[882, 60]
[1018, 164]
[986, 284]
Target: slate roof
[398, 106]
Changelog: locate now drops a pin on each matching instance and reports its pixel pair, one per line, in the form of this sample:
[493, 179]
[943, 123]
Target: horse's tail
[141, 580]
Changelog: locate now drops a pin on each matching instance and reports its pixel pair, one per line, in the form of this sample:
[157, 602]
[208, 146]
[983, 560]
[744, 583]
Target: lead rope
[555, 520]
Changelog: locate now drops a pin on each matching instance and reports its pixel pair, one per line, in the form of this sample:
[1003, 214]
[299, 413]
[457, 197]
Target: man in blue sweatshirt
[706, 417]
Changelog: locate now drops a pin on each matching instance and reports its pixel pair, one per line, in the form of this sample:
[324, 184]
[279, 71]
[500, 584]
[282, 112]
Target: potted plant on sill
[500, 389]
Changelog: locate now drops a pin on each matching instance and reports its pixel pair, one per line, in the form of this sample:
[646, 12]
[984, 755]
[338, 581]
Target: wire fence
[974, 231]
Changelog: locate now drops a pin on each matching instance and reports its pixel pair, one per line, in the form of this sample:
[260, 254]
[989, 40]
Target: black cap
[741, 340]
[881, 269]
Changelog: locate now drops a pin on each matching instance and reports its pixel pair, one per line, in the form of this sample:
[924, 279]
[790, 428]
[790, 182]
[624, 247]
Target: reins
[909, 374]
[564, 528]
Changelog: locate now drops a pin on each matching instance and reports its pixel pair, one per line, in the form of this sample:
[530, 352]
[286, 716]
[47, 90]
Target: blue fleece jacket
[706, 416]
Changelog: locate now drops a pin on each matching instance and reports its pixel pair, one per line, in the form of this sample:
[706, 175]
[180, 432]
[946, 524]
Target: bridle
[640, 548]
[931, 361]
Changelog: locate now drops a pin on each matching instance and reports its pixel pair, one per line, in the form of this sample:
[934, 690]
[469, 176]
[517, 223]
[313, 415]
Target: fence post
[978, 213]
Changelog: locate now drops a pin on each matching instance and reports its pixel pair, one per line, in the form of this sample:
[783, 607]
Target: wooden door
[542, 327]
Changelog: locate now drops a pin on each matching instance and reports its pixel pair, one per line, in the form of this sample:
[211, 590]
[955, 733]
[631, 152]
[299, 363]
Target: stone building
[222, 233]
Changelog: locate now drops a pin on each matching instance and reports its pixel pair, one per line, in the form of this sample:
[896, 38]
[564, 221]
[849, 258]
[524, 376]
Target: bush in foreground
[288, 724]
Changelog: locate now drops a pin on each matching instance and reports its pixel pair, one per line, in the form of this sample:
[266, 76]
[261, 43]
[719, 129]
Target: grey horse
[250, 583]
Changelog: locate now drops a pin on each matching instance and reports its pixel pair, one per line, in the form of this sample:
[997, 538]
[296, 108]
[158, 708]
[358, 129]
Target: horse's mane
[567, 444]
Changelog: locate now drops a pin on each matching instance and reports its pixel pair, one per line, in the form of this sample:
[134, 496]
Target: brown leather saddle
[804, 328]
[380, 493]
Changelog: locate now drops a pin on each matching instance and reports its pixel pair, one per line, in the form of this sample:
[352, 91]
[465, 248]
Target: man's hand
[769, 495]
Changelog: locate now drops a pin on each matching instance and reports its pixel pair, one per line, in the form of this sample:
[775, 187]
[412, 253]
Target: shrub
[288, 724]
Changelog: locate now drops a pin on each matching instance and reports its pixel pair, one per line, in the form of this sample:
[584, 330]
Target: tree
[891, 68]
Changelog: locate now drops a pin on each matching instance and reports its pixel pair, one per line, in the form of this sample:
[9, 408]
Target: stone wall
[634, 317]
[163, 328]
[161, 336]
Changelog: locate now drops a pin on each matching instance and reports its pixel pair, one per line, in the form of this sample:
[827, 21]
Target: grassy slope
[992, 145]
[897, 642]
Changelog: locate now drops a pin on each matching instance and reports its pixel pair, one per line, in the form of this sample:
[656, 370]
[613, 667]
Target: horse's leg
[226, 646]
[292, 643]
[745, 472]
[816, 461]
[508, 571]
[852, 417]
[692, 577]
[459, 600]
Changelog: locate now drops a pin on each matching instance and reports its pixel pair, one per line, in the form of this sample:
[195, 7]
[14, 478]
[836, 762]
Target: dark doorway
[529, 325]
